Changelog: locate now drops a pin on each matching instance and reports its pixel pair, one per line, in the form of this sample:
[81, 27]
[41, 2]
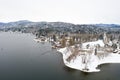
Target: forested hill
[29, 26]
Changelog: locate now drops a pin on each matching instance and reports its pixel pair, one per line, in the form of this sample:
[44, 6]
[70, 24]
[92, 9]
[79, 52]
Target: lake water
[21, 58]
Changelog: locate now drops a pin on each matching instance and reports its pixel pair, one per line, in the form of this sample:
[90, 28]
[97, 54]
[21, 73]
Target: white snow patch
[93, 60]
[100, 42]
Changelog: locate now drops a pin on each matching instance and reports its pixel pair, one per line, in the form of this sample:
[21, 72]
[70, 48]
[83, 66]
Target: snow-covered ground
[91, 61]
[100, 42]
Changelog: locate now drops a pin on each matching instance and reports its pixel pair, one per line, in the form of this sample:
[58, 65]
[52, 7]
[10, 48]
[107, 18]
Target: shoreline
[93, 61]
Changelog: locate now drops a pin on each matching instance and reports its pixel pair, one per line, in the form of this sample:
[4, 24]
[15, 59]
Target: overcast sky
[73, 11]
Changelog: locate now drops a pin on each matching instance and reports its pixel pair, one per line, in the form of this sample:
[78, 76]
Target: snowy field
[91, 61]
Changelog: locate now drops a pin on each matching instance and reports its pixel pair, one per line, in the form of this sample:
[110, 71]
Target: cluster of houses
[67, 40]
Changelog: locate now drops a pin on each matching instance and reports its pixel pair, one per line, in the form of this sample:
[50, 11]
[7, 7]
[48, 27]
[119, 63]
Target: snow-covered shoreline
[39, 40]
[93, 62]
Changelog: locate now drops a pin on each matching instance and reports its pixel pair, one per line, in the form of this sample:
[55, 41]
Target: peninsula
[89, 55]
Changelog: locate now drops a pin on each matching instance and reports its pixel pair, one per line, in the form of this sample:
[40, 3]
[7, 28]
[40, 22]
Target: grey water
[21, 58]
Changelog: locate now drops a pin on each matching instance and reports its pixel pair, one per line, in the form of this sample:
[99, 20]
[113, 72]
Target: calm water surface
[21, 58]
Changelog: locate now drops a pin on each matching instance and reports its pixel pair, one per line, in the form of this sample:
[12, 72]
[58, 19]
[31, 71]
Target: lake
[21, 58]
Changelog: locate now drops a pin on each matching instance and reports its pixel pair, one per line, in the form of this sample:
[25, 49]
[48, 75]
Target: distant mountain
[108, 25]
[21, 23]
[26, 23]
[29, 26]
[1, 24]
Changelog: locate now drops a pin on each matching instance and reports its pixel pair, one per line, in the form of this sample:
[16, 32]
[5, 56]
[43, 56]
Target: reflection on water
[68, 69]
[103, 65]
[21, 58]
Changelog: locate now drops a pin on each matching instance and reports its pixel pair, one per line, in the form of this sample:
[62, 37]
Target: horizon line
[56, 21]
